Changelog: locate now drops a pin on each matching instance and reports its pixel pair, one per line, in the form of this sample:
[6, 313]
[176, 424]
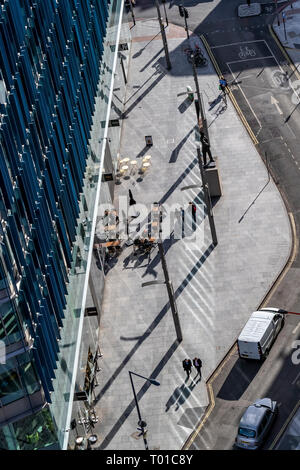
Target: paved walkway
[216, 288]
[290, 35]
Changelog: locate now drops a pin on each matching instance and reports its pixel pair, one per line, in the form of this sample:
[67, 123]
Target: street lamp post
[164, 4]
[132, 14]
[207, 199]
[163, 35]
[283, 20]
[199, 98]
[183, 12]
[141, 423]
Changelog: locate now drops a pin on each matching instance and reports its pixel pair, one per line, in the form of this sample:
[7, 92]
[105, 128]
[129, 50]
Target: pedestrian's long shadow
[181, 394]
[142, 96]
[175, 152]
[139, 395]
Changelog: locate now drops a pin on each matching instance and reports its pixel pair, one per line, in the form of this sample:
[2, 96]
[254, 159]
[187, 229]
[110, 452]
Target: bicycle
[199, 58]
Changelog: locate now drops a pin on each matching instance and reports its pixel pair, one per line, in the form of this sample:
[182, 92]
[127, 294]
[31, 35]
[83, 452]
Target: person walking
[193, 208]
[187, 366]
[205, 148]
[197, 364]
[222, 84]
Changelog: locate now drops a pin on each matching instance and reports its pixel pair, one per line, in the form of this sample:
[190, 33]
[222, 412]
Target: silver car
[255, 424]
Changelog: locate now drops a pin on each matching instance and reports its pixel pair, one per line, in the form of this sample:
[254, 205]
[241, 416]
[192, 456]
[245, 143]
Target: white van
[259, 333]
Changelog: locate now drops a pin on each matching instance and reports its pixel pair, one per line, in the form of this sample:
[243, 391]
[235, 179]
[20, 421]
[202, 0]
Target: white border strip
[237, 43]
[89, 260]
[254, 58]
[259, 123]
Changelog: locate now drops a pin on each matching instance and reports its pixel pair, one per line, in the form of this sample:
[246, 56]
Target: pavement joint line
[238, 109]
[284, 426]
[233, 349]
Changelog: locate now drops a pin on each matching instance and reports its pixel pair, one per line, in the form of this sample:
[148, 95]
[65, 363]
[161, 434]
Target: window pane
[10, 323]
[30, 377]
[10, 386]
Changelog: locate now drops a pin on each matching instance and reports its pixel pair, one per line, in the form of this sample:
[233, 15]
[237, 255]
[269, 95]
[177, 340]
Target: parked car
[256, 423]
[259, 333]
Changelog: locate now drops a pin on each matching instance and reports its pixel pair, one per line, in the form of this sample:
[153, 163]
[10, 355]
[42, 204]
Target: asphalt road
[266, 91]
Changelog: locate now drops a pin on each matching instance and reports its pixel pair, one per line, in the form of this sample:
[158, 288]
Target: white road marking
[237, 43]
[274, 101]
[295, 329]
[245, 96]
[294, 381]
[247, 60]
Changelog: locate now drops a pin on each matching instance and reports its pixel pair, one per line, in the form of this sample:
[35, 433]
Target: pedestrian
[197, 364]
[205, 148]
[182, 222]
[248, 2]
[187, 366]
[193, 210]
[223, 84]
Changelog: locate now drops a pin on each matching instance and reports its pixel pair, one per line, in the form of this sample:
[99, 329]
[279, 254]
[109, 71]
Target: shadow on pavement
[181, 394]
[238, 380]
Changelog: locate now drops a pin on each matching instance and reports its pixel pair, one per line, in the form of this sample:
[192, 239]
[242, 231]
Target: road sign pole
[283, 20]
[163, 35]
[132, 14]
[186, 27]
[164, 5]
[199, 98]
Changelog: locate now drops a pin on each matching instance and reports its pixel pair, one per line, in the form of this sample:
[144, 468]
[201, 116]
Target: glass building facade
[59, 60]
